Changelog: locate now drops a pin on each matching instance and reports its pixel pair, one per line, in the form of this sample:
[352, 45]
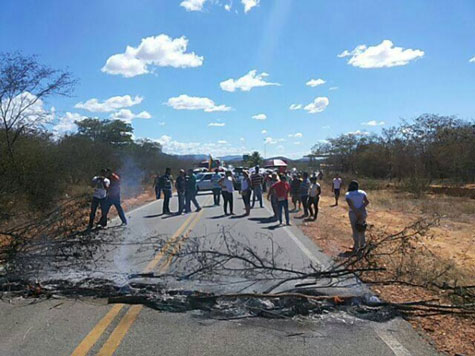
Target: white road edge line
[299, 243]
[396, 347]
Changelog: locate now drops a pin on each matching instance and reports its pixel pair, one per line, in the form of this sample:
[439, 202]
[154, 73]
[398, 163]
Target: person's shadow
[152, 216]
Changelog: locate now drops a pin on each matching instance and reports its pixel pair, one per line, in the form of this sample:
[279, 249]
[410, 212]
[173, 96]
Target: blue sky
[194, 63]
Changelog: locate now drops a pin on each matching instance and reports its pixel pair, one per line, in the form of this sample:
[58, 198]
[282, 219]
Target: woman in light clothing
[357, 201]
[246, 192]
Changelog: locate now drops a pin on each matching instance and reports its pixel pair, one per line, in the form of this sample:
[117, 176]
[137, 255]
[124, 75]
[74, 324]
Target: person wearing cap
[227, 185]
[190, 192]
[180, 189]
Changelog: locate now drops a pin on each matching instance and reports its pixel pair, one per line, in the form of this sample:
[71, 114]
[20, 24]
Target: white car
[204, 181]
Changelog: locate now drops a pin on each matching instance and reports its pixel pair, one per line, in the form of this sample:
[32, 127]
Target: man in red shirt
[281, 190]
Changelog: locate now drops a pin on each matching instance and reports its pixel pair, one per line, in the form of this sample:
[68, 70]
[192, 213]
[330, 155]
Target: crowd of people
[303, 189]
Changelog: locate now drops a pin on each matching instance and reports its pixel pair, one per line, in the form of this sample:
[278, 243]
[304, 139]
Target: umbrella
[275, 163]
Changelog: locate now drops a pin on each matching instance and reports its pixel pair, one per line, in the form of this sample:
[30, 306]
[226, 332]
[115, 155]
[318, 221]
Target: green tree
[255, 159]
[114, 132]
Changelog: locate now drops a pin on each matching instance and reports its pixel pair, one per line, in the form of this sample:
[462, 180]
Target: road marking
[119, 332]
[396, 347]
[129, 318]
[89, 341]
[299, 243]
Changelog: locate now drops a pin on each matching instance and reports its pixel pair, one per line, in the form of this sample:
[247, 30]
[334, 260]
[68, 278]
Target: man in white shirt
[100, 184]
[336, 186]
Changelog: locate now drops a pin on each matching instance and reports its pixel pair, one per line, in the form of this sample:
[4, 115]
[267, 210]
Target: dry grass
[449, 246]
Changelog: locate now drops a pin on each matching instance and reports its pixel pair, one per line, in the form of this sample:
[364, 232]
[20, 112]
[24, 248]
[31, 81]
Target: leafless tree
[24, 85]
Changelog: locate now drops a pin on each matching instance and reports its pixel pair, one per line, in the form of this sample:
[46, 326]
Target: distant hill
[231, 158]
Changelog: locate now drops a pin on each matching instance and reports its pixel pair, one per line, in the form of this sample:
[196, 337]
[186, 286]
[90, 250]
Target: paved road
[91, 327]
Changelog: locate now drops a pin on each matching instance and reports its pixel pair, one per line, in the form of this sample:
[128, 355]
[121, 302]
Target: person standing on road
[304, 188]
[357, 201]
[313, 197]
[281, 191]
[336, 186]
[271, 195]
[190, 192]
[246, 192]
[216, 186]
[256, 181]
[100, 184]
[156, 186]
[180, 186]
[113, 198]
[166, 183]
[227, 184]
[295, 191]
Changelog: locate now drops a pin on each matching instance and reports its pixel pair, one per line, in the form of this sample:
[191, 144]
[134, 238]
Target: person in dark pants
[156, 186]
[100, 184]
[256, 181]
[190, 192]
[281, 190]
[166, 183]
[113, 198]
[227, 184]
[180, 186]
[304, 188]
[314, 197]
[216, 186]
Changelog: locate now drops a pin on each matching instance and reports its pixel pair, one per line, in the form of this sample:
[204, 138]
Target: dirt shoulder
[452, 243]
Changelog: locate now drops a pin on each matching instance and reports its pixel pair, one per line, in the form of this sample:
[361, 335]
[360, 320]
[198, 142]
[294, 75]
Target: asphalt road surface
[90, 326]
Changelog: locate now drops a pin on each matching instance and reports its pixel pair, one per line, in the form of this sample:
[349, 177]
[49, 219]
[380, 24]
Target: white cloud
[326, 127]
[259, 117]
[333, 88]
[26, 110]
[246, 82]
[249, 4]
[297, 143]
[162, 123]
[227, 7]
[222, 142]
[296, 135]
[217, 149]
[295, 107]
[382, 55]
[185, 102]
[472, 60]
[127, 115]
[66, 123]
[270, 140]
[373, 123]
[216, 124]
[161, 51]
[315, 82]
[242, 139]
[264, 132]
[111, 104]
[318, 105]
[358, 133]
[193, 5]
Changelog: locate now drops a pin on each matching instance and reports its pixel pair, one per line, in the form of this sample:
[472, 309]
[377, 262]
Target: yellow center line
[129, 318]
[88, 342]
